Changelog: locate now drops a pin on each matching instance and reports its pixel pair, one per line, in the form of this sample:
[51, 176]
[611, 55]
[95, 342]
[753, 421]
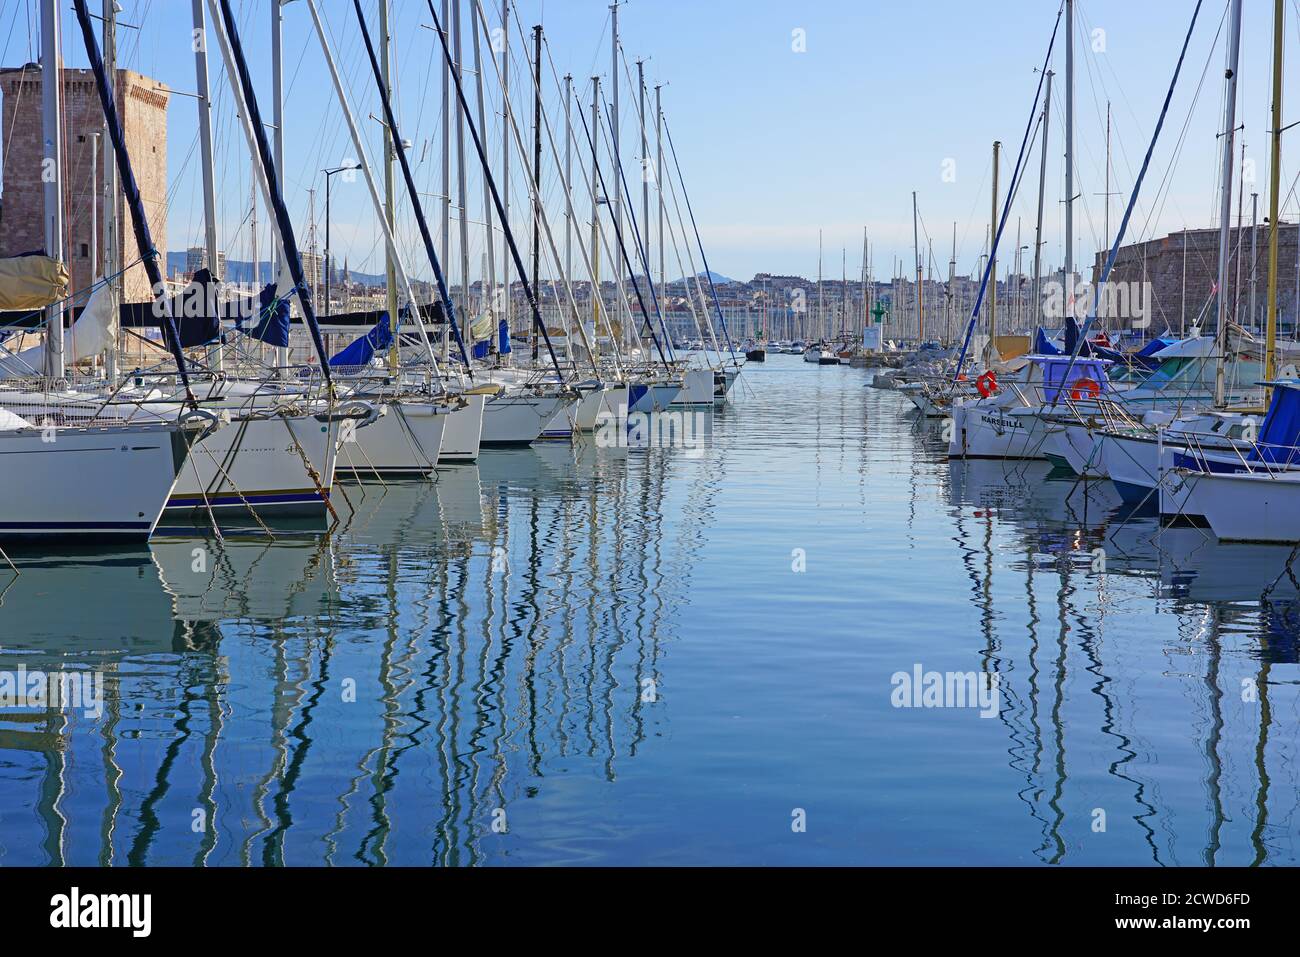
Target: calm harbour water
[573, 655]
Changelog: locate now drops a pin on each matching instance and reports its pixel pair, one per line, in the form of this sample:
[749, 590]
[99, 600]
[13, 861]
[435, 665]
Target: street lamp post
[328, 260]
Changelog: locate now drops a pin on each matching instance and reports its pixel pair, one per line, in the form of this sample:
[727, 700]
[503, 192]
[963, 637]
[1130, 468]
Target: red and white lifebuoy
[1085, 387]
[987, 383]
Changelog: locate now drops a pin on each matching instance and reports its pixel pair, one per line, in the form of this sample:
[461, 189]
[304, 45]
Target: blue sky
[777, 144]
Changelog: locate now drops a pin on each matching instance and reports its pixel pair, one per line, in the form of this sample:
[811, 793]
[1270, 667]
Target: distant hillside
[718, 278]
[238, 270]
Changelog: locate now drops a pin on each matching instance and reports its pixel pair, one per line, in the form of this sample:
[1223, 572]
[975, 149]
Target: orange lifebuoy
[987, 383]
[1085, 386]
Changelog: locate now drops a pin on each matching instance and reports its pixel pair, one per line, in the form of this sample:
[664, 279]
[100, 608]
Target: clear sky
[790, 118]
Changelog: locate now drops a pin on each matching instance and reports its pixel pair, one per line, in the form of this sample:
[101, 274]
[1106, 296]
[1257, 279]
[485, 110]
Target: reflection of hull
[256, 462]
[119, 605]
[463, 431]
[88, 483]
[405, 440]
[245, 579]
[1025, 495]
[1196, 566]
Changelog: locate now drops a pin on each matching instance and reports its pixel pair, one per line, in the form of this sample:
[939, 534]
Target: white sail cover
[93, 332]
[9, 421]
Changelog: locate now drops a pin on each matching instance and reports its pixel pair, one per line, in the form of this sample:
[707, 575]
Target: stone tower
[142, 106]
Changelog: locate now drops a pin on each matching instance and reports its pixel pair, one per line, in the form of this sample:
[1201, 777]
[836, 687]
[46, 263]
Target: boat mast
[52, 170]
[204, 101]
[659, 186]
[645, 171]
[113, 282]
[1042, 183]
[993, 262]
[461, 193]
[1069, 156]
[1225, 207]
[617, 161]
[537, 173]
[488, 297]
[952, 276]
[446, 157]
[505, 166]
[1274, 172]
[595, 216]
[568, 192]
[277, 118]
[916, 254]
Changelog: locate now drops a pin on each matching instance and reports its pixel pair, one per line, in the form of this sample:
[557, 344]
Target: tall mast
[506, 303]
[659, 188]
[952, 276]
[1274, 172]
[204, 102]
[1069, 155]
[537, 172]
[1225, 206]
[461, 191]
[112, 204]
[277, 111]
[488, 304]
[916, 255]
[595, 214]
[52, 169]
[390, 205]
[445, 233]
[645, 169]
[1042, 184]
[617, 158]
[993, 263]
[568, 186]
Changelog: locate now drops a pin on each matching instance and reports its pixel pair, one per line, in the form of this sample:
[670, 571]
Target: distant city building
[196, 258]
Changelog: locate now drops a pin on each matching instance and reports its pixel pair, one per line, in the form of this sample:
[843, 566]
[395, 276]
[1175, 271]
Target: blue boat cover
[1280, 434]
[1043, 345]
[504, 336]
[360, 351]
[272, 319]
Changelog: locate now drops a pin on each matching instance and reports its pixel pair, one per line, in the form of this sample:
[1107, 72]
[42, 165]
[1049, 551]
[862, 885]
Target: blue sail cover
[360, 351]
[1280, 433]
[1043, 345]
[504, 336]
[1072, 339]
[272, 319]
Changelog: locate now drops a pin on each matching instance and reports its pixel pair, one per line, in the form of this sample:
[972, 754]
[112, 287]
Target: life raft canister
[987, 383]
[1085, 387]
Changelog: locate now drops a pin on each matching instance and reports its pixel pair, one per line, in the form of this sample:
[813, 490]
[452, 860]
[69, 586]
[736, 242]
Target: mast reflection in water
[573, 655]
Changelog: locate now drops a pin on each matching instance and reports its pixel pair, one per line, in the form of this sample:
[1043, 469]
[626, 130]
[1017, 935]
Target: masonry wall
[142, 104]
[1162, 262]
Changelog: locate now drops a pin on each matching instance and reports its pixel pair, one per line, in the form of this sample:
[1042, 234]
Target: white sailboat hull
[463, 432]
[257, 463]
[1249, 507]
[697, 390]
[405, 440]
[514, 419]
[88, 483]
[991, 432]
